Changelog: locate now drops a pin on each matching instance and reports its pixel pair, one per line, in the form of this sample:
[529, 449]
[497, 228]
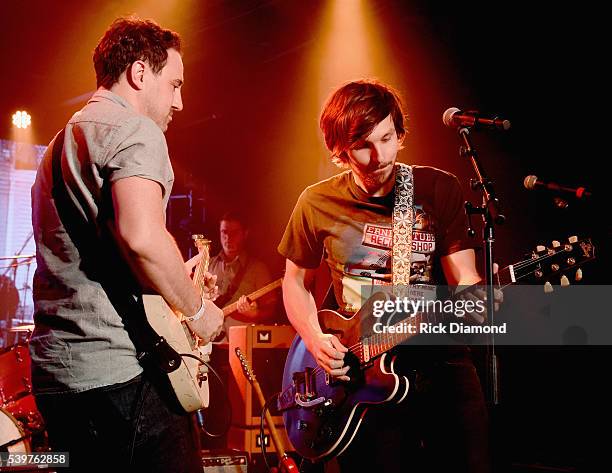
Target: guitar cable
[262, 432]
[228, 406]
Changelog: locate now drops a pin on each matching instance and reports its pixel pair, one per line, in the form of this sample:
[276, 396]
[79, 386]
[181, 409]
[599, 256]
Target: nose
[177, 100]
[374, 154]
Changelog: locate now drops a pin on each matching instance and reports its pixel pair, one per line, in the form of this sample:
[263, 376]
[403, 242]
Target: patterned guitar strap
[403, 217]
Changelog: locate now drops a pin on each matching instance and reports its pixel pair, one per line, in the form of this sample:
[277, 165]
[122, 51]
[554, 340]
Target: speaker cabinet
[266, 348]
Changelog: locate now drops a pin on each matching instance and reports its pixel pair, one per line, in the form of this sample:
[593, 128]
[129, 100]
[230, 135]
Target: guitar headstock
[561, 261]
[203, 246]
[246, 369]
[201, 243]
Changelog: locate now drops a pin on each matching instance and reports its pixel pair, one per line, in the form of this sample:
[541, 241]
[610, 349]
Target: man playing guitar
[98, 207]
[240, 273]
[346, 219]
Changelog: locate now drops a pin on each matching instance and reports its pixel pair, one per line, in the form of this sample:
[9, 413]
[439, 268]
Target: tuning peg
[548, 287]
[540, 248]
[573, 239]
[578, 275]
[564, 281]
[556, 244]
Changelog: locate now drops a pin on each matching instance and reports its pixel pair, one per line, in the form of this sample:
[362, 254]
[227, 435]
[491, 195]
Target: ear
[135, 74]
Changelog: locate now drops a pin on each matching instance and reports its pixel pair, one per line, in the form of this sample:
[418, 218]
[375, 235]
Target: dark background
[257, 73]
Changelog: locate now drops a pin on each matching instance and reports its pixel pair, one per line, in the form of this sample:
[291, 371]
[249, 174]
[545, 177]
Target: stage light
[22, 119]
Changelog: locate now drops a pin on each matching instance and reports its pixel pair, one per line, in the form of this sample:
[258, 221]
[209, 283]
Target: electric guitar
[253, 296]
[322, 414]
[287, 464]
[189, 377]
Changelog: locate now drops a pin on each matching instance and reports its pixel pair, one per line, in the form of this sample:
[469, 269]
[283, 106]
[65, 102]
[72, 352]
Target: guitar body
[326, 425]
[190, 380]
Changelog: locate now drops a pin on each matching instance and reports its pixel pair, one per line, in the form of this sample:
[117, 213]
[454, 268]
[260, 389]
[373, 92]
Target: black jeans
[132, 426]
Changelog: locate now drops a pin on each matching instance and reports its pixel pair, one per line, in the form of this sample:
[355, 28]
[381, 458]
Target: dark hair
[131, 39]
[354, 110]
[235, 216]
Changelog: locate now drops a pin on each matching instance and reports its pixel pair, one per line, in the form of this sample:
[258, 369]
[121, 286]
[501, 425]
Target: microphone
[532, 182]
[455, 118]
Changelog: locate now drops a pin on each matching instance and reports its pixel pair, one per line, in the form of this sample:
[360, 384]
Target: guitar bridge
[304, 383]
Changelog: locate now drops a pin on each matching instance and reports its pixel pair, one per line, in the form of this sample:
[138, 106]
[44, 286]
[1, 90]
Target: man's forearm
[301, 309]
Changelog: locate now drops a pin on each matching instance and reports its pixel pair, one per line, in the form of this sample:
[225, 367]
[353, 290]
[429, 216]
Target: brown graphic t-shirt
[336, 220]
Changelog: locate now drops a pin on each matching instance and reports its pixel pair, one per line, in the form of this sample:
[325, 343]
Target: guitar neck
[200, 272]
[233, 307]
[543, 264]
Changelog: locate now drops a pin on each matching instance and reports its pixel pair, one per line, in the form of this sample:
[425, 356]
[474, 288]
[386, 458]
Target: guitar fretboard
[233, 307]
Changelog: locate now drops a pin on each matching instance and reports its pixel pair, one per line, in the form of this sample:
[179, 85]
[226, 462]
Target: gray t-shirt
[84, 293]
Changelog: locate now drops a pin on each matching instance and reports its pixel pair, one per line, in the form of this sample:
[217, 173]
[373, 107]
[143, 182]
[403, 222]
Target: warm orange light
[348, 52]
[351, 43]
[22, 119]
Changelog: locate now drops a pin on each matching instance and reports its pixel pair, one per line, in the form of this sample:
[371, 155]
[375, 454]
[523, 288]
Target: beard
[378, 177]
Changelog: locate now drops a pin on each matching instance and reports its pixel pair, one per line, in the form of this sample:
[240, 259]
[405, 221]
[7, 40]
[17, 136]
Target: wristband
[198, 315]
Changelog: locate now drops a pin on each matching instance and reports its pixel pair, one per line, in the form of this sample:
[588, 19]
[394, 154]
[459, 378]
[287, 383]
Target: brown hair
[131, 39]
[354, 110]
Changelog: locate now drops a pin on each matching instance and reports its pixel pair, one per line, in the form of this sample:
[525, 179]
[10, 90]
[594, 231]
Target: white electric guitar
[190, 379]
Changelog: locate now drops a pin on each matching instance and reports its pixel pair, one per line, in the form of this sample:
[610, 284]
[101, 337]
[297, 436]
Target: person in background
[239, 273]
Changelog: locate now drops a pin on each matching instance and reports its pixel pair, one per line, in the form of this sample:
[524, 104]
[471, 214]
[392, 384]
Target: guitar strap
[403, 219]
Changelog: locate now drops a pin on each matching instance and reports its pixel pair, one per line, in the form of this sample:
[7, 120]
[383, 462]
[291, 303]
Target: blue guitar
[322, 414]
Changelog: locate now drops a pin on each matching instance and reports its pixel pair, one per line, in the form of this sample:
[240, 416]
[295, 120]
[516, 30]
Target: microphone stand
[491, 216]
